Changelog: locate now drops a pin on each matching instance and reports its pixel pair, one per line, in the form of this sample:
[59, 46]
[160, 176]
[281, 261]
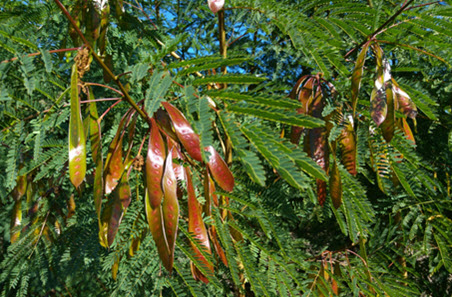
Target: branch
[415, 49]
[52, 52]
[376, 32]
[102, 64]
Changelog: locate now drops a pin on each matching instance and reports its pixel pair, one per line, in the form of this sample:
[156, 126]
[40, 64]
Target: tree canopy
[225, 148]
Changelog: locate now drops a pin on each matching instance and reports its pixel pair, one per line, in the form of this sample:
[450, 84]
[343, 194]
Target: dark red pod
[220, 170]
[155, 160]
[196, 226]
[347, 142]
[184, 131]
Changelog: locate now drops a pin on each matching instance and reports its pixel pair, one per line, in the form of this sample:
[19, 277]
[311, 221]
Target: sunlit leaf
[77, 140]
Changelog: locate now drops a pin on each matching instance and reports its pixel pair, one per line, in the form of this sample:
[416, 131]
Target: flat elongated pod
[170, 205]
[404, 102]
[305, 96]
[335, 186]
[196, 225]
[347, 143]
[114, 211]
[77, 139]
[378, 106]
[318, 145]
[164, 122]
[219, 170]
[115, 168]
[114, 165]
[209, 194]
[155, 160]
[184, 132]
[357, 75]
[177, 166]
[16, 220]
[388, 125]
[96, 151]
[407, 130]
[217, 246]
[157, 228]
[121, 199]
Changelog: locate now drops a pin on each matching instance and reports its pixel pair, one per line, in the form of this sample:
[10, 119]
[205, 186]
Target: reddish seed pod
[184, 131]
[220, 170]
[154, 166]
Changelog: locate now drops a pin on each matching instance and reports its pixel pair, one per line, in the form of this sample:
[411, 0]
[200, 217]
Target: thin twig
[51, 52]
[102, 64]
[40, 234]
[371, 36]
[105, 86]
[421, 5]
[101, 100]
[415, 49]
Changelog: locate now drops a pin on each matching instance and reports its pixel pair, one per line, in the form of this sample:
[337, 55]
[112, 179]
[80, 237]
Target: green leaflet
[249, 159]
[229, 79]
[277, 115]
[402, 179]
[77, 140]
[273, 101]
[285, 165]
[444, 251]
[357, 76]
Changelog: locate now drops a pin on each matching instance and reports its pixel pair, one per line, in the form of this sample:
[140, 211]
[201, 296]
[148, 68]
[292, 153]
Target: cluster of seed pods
[386, 98]
[170, 132]
[312, 92]
[172, 144]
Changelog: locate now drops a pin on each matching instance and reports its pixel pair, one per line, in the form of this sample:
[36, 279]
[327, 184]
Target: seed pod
[196, 227]
[77, 139]
[219, 170]
[188, 138]
[170, 206]
[154, 166]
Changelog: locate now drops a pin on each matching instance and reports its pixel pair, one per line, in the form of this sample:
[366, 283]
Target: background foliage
[392, 234]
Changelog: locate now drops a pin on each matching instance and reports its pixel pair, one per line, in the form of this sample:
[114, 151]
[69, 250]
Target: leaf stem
[376, 32]
[61, 50]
